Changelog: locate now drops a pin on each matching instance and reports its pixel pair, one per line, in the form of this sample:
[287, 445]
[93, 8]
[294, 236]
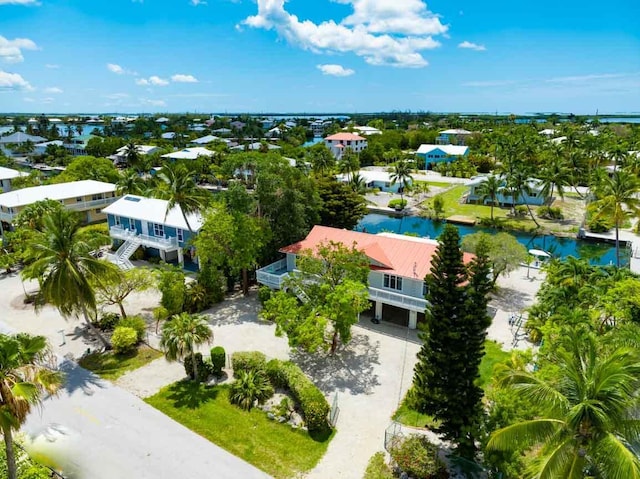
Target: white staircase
[301, 295]
[124, 252]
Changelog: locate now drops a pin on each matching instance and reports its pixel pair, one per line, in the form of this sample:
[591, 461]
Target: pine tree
[453, 342]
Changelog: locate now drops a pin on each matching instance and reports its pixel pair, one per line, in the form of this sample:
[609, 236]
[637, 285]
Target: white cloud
[152, 80]
[48, 100]
[586, 78]
[489, 83]
[52, 66]
[383, 32]
[180, 78]
[11, 50]
[335, 70]
[19, 2]
[117, 96]
[195, 3]
[472, 46]
[154, 102]
[13, 81]
[53, 89]
[115, 68]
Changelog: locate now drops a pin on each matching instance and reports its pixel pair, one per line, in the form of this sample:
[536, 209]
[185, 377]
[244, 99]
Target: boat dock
[630, 240]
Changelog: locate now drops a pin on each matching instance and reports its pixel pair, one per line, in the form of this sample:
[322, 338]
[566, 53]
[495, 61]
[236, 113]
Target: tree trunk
[195, 366]
[123, 313]
[11, 458]
[617, 245]
[106, 344]
[531, 214]
[245, 281]
[334, 342]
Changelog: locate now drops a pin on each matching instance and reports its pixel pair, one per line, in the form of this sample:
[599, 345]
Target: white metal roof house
[534, 196]
[255, 146]
[136, 221]
[6, 175]
[120, 156]
[86, 196]
[205, 140]
[458, 135]
[189, 153]
[375, 179]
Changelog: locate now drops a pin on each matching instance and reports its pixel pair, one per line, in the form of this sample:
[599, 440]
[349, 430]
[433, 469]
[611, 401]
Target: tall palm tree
[63, 265]
[130, 183]
[349, 163]
[357, 183]
[555, 174]
[322, 160]
[489, 190]
[24, 377]
[182, 334]
[179, 188]
[589, 423]
[617, 198]
[131, 154]
[518, 182]
[401, 173]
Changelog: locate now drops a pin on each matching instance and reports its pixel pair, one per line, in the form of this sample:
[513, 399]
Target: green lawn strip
[493, 355]
[111, 366]
[273, 447]
[436, 184]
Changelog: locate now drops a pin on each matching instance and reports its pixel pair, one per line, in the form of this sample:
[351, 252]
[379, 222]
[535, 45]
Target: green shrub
[249, 387]
[154, 259]
[137, 323]
[108, 321]
[315, 407]
[248, 361]
[213, 282]
[124, 339]
[276, 374]
[599, 224]
[204, 367]
[264, 294]
[550, 213]
[418, 457]
[218, 360]
[397, 204]
[196, 298]
[378, 468]
[138, 254]
[521, 211]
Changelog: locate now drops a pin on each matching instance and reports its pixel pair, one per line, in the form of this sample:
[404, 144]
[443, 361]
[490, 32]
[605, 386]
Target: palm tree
[24, 378]
[357, 183]
[401, 173]
[349, 163]
[519, 183]
[489, 189]
[130, 183]
[131, 153]
[589, 424]
[617, 199]
[554, 174]
[322, 160]
[179, 189]
[181, 334]
[63, 265]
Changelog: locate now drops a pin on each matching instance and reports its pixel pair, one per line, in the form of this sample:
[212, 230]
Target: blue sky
[319, 56]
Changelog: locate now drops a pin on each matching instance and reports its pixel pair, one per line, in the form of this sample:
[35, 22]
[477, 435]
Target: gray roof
[20, 137]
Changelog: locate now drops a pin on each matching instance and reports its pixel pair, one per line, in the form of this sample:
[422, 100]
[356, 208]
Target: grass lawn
[436, 184]
[111, 366]
[493, 355]
[273, 447]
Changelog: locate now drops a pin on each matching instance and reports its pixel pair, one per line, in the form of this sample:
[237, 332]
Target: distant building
[238, 125]
[456, 136]
[255, 146]
[41, 148]
[205, 140]
[17, 138]
[7, 175]
[120, 157]
[188, 153]
[340, 142]
[367, 130]
[88, 197]
[376, 179]
[434, 154]
[535, 195]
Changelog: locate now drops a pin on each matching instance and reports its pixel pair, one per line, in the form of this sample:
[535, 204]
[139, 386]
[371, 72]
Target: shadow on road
[508, 299]
[79, 378]
[191, 395]
[351, 369]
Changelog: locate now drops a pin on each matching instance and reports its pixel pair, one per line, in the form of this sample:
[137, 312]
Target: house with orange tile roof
[398, 266]
[339, 143]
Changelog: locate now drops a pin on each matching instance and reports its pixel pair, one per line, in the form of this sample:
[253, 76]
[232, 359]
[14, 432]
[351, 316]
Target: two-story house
[434, 154]
[136, 221]
[7, 175]
[340, 142]
[87, 197]
[398, 266]
[533, 195]
[456, 136]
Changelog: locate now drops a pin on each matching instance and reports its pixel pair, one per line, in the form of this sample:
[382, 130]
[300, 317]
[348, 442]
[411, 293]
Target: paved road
[120, 436]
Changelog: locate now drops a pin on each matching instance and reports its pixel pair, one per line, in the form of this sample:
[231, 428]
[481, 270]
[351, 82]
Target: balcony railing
[397, 299]
[166, 244]
[274, 274]
[88, 205]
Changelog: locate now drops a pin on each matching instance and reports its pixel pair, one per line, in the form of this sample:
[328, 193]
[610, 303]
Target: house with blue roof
[139, 222]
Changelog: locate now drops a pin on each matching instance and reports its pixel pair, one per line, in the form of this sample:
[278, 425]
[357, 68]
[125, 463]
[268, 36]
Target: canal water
[596, 253]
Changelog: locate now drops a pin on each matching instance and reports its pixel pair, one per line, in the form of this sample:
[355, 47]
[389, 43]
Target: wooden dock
[461, 220]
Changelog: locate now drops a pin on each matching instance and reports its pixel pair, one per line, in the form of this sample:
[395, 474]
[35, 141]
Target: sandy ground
[369, 377]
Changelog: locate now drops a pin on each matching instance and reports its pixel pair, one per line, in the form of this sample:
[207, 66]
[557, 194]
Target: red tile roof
[345, 137]
[403, 256]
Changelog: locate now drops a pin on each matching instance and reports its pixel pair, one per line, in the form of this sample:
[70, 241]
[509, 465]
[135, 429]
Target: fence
[392, 435]
[335, 411]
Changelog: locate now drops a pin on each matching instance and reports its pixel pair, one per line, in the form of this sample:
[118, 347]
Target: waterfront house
[534, 196]
[367, 130]
[457, 136]
[205, 140]
[376, 179]
[434, 154]
[398, 266]
[340, 142]
[9, 142]
[7, 175]
[255, 146]
[135, 221]
[120, 157]
[87, 197]
[41, 148]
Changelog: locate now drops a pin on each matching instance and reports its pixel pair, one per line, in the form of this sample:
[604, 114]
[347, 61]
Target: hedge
[248, 361]
[314, 405]
[218, 359]
[137, 323]
[124, 339]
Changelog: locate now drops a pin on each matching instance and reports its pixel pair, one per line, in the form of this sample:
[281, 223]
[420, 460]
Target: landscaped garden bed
[109, 365]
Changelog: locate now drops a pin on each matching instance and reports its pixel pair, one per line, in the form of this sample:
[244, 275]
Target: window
[98, 210]
[158, 230]
[393, 282]
[180, 234]
[79, 199]
[96, 197]
[116, 220]
[424, 289]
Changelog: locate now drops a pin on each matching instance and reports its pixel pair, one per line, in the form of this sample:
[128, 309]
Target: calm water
[86, 129]
[596, 253]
